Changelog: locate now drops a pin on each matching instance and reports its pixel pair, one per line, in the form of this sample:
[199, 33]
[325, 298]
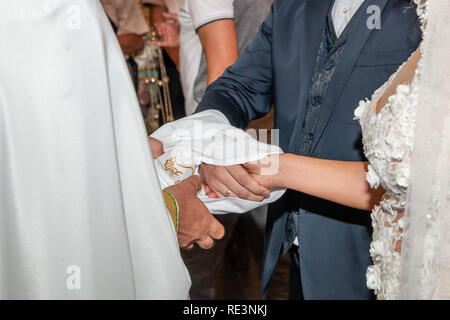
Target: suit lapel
[312, 23]
[352, 50]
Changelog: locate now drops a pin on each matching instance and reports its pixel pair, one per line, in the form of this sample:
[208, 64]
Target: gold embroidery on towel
[174, 167]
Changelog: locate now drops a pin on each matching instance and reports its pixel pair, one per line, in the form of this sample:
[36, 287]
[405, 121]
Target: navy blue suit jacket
[276, 68]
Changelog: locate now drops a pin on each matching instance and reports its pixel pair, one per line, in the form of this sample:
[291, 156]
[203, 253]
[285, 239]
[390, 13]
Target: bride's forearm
[342, 182]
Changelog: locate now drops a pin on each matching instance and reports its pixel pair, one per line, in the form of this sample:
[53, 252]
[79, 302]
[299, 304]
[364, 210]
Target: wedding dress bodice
[388, 141]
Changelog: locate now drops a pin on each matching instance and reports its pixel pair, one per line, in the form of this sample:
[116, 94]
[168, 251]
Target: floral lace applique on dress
[388, 141]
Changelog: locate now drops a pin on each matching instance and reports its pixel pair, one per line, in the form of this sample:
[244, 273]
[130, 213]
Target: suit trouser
[202, 264]
[295, 283]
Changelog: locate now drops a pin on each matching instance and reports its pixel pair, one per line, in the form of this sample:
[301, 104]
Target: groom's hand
[232, 181]
[195, 223]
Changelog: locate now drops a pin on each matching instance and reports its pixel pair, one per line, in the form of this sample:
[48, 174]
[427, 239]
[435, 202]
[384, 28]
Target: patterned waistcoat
[330, 51]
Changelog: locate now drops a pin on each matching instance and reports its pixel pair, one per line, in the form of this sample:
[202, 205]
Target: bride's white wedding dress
[389, 139]
[81, 210]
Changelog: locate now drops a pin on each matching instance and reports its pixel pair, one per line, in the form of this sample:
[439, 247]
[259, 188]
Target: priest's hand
[195, 223]
[232, 181]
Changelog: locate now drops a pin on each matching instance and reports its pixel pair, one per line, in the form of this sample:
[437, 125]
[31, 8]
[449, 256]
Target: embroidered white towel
[209, 137]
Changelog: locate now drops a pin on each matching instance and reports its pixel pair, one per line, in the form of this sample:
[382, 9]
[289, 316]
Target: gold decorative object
[153, 88]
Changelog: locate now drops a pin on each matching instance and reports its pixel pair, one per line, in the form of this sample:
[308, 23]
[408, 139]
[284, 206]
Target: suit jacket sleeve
[244, 91]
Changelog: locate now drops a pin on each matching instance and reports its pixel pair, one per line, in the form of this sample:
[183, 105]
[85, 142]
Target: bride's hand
[267, 171]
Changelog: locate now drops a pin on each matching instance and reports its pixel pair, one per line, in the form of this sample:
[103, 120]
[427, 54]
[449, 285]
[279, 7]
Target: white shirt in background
[193, 15]
[173, 6]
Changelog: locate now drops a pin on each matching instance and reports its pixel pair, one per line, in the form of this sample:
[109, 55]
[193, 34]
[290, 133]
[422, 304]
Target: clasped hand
[196, 223]
[242, 181]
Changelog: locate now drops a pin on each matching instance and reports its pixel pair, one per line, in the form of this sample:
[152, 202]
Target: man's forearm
[131, 43]
[244, 91]
[220, 44]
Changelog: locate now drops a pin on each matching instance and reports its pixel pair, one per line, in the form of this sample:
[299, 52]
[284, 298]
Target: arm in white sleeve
[205, 11]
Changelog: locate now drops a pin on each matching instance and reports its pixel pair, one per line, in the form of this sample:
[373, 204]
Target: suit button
[316, 100]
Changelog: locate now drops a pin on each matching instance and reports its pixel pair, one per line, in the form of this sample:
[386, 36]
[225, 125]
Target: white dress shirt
[343, 11]
[173, 6]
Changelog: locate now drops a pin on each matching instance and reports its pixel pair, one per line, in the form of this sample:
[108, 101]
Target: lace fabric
[388, 141]
[410, 247]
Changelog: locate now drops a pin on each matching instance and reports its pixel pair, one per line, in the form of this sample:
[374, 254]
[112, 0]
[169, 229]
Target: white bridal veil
[426, 244]
[81, 210]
